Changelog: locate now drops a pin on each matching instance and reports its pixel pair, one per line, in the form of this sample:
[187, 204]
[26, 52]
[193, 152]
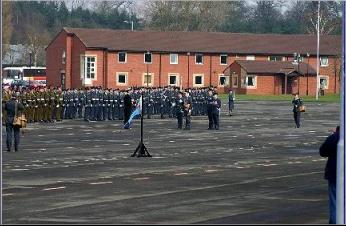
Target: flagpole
[340, 182]
[318, 52]
[141, 150]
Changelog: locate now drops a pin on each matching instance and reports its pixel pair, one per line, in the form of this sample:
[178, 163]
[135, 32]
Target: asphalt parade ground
[258, 168]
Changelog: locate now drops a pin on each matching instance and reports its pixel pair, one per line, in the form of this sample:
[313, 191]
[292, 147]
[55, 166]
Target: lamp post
[318, 52]
[307, 75]
[125, 21]
[30, 62]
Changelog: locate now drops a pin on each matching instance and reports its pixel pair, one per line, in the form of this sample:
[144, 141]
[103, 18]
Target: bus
[29, 74]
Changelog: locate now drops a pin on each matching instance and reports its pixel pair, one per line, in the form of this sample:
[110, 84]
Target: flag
[136, 112]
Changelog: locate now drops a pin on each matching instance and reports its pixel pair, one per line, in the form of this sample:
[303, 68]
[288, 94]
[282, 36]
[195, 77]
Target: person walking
[297, 103]
[329, 149]
[12, 108]
[231, 98]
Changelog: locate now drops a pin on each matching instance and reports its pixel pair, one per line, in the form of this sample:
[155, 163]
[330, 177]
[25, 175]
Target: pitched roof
[206, 42]
[275, 67]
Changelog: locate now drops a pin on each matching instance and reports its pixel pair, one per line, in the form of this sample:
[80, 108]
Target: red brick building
[119, 59]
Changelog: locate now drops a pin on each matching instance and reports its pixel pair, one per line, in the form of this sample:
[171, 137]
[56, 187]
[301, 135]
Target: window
[122, 57]
[63, 57]
[147, 58]
[324, 80]
[173, 79]
[198, 80]
[88, 65]
[173, 58]
[121, 78]
[223, 80]
[250, 81]
[148, 79]
[199, 58]
[324, 61]
[275, 58]
[223, 59]
[250, 57]
[235, 81]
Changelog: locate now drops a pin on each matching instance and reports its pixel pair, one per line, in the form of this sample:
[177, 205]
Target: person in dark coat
[216, 106]
[10, 108]
[127, 106]
[297, 102]
[180, 110]
[329, 149]
[231, 99]
[209, 103]
[187, 110]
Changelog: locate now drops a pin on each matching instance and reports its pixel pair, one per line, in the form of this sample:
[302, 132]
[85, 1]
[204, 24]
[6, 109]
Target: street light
[125, 21]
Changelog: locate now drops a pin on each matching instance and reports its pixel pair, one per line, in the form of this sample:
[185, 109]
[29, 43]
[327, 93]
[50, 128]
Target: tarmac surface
[258, 168]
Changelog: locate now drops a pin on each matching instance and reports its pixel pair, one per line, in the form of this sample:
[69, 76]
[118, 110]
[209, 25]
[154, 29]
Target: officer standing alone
[216, 106]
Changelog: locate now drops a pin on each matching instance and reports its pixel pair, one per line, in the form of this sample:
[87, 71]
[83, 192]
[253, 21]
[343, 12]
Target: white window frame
[196, 58]
[150, 58]
[151, 82]
[63, 57]
[250, 57]
[194, 80]
[226, 81]
[170, 58]
[235, 78]
[327, 79]
[221, 55]
[177, 75]
[254, 80]
[83, 59]
[120, 62]
[126, 78]
[324, 65]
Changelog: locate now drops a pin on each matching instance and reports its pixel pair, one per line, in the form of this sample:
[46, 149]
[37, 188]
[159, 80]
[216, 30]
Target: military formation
[97, 104]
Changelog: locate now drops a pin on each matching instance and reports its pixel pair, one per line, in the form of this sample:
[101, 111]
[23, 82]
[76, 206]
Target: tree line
[35, 23]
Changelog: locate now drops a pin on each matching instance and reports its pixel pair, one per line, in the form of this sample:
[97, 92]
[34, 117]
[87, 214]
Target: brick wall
[160, 68]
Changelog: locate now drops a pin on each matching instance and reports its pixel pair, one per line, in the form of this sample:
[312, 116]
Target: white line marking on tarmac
[19, 169]
[142, 178]
[9, 194]
[180, 174]
[104, 182]
[211, 171]
[126, 144]
[56, 188]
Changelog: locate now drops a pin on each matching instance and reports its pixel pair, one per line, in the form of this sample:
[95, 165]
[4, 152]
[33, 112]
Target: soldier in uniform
[58, 104]
[30, 107]
[179, 106]
[187, 110]
[209, 101]
[81, 103]
[216, 107]
[231, 99]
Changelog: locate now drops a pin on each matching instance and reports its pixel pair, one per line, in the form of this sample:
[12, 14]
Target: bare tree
[330, 17]
[7, 27]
